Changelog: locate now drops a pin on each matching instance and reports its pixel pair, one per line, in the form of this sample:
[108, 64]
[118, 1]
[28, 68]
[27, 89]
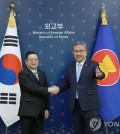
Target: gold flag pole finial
[12, 15]
[104, 16]
[12, 5]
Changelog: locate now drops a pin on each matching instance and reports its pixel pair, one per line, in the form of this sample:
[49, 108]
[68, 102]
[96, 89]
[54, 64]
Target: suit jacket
[86, 85]
[34, 93]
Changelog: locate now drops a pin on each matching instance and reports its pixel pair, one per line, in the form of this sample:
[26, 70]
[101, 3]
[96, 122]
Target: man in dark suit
[34, 102]
[83, 94]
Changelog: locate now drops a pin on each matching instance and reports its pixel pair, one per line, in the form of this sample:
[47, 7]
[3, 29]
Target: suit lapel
[33, 76]
[40, 77]
[73, 71]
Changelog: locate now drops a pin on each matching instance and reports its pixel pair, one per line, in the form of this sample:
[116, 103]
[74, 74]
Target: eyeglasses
[32, 60]
[78, 51]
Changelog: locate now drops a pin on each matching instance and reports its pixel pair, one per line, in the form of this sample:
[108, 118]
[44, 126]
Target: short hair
[30, 52]
[80, 43]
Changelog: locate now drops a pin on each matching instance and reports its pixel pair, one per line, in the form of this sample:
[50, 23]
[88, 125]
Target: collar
[81, 62]
[32, 70]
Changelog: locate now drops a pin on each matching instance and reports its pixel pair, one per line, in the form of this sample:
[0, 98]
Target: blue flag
[106, 54]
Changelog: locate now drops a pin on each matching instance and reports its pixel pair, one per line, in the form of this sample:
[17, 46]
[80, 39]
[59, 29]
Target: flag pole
[6, 130]
[104, 23]
[106, 129]
[11, 6]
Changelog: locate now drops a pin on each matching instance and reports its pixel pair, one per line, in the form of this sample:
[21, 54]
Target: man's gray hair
[80, 43]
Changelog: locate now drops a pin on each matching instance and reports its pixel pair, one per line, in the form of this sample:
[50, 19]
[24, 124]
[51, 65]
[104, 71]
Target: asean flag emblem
[109, 64]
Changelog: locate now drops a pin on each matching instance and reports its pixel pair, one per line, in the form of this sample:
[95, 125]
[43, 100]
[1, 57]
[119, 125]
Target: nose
[78, 53]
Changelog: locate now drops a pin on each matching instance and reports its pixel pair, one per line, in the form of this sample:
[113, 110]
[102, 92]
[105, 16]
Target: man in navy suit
[34, 102]
[84, 100]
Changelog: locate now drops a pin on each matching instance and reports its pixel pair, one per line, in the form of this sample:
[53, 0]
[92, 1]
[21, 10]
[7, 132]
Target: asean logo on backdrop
[109, 64]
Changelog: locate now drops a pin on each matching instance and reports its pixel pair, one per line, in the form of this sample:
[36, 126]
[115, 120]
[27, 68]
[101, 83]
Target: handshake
[53, 90]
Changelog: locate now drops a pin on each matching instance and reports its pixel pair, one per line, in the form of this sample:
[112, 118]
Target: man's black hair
[30, 52]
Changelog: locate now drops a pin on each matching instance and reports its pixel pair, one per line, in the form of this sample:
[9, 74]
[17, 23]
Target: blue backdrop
[50, 27]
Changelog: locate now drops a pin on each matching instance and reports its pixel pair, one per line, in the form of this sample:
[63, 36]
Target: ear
[26, 62]
[86, 52]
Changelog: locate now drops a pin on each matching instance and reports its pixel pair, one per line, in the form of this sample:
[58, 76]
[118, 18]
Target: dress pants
[81, 120]
[30, 125]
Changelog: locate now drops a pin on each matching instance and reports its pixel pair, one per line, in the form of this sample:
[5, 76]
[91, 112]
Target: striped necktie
[36, 74]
